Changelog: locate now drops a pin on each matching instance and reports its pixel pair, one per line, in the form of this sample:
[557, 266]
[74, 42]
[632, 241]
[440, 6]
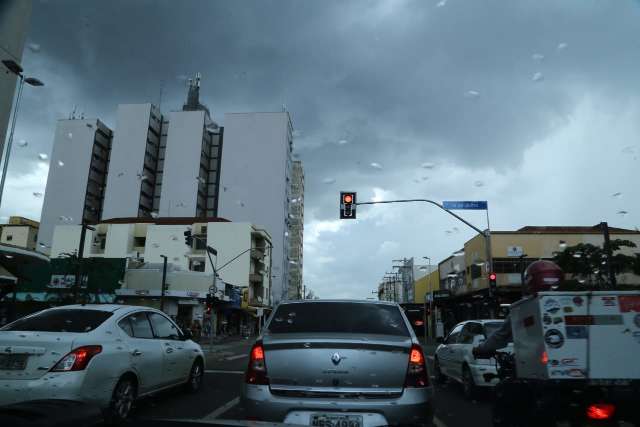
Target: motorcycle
[529, 403]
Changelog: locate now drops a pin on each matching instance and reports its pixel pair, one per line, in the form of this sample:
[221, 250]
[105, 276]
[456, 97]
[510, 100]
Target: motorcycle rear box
[578, 335]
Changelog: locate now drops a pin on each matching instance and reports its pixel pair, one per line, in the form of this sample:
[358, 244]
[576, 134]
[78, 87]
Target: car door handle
[136, 353]
[169, 350]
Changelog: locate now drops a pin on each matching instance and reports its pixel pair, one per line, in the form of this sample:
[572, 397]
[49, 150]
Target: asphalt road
[219, 398]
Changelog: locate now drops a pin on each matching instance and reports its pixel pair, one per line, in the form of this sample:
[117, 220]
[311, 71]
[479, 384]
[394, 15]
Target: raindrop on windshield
[417, 181]
[424, 178]
[448, 231]
[562, 244]
[441, 3]
[22, 143]
[286, 234]
[154, 214]
[155, 245]
[562, 46]
[43, 156]
[70, 135]
[622, 213]
[343, 142]
[618, 194]
[537, 57]
[60, 163]
[120, 174]
[376, 165]
[37, 194]
[455, 229]
[478, 184]
[174, 237]
[537, 77]
[34, 47]
[472, 94]
[428, 165]
[296, 133]
[328, 180]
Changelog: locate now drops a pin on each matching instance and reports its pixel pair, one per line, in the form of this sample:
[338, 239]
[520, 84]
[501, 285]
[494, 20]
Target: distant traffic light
[347, 205]
[493, 285]
[188, 239]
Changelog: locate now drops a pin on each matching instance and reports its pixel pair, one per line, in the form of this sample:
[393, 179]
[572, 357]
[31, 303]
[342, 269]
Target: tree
[588, 263]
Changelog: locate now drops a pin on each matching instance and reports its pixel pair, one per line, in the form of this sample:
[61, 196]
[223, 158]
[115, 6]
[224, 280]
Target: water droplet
[441, 3]
[37, 194]
[622, 213]
[428, 165]
[60, 163]
[448, 231]
[154, 214]
[562, 244]
[617, 194]
[537, 77]
[456, 229]
[43, 156]
[120, 174]
[70, 135]
[22, 143]
[174, 237]
[417, 181]
[471, 94]
[479, 183]
[425, 178]
[343, 142]
[375, 165]
[296, 133]
[34, 47]
[155, 245]
[537, 57]
[328, 180]
[562, 46]
[286, 234]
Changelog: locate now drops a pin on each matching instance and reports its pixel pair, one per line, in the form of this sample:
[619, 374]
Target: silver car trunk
[27, 355]
[309, 363]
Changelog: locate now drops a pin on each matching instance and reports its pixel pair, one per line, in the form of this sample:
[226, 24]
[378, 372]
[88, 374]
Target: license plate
[331, 420]
[13, 362]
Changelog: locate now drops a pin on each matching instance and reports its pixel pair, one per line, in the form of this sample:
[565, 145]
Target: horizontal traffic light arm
[426, 201]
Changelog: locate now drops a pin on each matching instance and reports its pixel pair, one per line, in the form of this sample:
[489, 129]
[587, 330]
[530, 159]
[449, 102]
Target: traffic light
[188, 239]
[347, 205]
[492, 282]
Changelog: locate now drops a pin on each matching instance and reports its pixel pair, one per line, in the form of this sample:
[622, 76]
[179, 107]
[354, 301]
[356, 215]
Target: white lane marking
[237, 356]
[221, 410]
[221, 371]
[438, 423]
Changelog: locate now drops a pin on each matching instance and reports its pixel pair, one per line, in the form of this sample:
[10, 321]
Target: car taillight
[544, 359]
[77, 359]
[600, 411]
[417, 370]
[257, 370]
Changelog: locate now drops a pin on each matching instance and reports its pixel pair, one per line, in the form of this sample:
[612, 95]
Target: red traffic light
[348, 198]
[492, 276]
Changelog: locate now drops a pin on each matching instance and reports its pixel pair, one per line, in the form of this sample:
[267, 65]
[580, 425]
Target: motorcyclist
[539, 276]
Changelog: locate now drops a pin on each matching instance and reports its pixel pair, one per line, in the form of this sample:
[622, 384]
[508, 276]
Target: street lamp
[164, 281]
[31, 81]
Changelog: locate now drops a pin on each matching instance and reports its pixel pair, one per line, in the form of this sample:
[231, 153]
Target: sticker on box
[577, 332]
[554, 338]
[557, 320]
[552, 306]
[569, 361]
[636, 320]
[629, 303]
[609, 301]
[546, 319]
[568, 309]
[578, 301]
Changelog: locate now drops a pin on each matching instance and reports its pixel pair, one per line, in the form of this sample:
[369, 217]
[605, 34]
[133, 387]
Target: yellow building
[425, 285]
[512, 251]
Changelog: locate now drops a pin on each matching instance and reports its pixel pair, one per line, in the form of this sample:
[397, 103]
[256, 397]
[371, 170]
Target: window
[140, 325]
[60, 320]
[163, 328]
[9, 237]
[139, 242]
[490, 328]
[197, 265]
[453, 336]
[469, 331]
[125, 325]
[359, 318]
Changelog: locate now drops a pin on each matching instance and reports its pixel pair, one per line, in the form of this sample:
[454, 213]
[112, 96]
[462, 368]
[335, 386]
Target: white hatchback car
[104, 354]
[453, 358]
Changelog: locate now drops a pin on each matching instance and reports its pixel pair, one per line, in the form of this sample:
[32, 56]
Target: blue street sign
[477, 205]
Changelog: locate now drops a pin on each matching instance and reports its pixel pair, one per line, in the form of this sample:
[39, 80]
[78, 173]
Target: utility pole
[604, 227]
[164, 281]
[78, 282]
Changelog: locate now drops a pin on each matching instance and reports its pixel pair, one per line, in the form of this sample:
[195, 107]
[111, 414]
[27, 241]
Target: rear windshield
[490, 328]
[60, 320]
[338, 317]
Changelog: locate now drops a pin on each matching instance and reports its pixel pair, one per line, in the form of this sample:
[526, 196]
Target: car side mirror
[440, 340]
[186, 334]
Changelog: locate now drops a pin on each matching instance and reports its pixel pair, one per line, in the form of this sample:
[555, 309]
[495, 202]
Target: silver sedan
[338, 363]
[104, 354]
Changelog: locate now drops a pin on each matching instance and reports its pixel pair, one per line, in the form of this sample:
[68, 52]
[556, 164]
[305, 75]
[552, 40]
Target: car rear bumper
[54, 385]
[414, 406]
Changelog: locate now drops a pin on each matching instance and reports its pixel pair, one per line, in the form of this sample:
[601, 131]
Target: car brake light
[600, 411]
[544, 359]
[257, 369]
[417, 370]
[77, 359]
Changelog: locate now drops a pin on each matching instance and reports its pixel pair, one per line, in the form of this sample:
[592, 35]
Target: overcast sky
[531, 105]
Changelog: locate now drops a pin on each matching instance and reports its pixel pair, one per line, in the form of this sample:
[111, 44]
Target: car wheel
[124, 394]
[195, 377]
[440, 378]
[469, 387]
